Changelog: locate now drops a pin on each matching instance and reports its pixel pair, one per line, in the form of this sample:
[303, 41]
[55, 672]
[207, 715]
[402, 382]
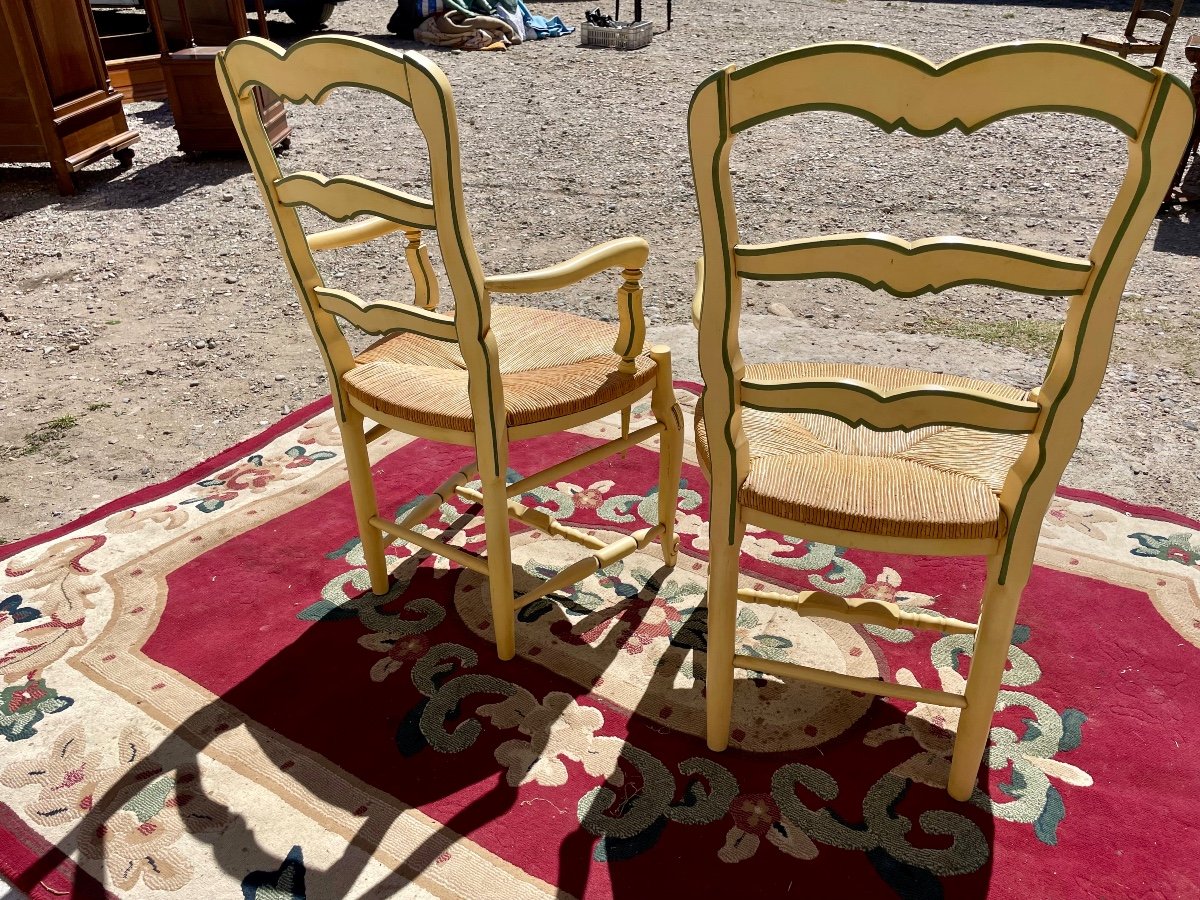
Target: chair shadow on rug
[239, 852]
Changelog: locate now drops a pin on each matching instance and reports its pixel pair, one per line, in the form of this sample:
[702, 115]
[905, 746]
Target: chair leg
[722, 614]
[362, 489]
[998, 615]
[499, 558]
[670, 451]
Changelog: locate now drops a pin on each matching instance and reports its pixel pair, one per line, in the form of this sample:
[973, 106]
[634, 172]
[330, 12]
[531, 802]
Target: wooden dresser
[56, 104]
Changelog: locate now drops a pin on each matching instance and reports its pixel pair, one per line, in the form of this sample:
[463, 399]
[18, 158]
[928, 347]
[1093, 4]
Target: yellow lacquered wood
[369, 228]
[574, 420]
[539, 519]
[581, 569]
[392, 423]
[433, 545]
[585, 459]
[310, 69]
[850, 682]
[670, 451]
[631, 335]
[425, 284]
[383, 316]
[627, 252]
[858, 403]
[443, 493]
[343, 197]
[929, 265]
[864, 610]
[878, 543]
[307, 72]
[896, 89]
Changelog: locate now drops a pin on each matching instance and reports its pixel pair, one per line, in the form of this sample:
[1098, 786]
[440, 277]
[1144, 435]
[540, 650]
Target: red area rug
[201, 697]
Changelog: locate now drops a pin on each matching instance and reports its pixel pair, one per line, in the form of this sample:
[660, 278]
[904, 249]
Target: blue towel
[539, 27]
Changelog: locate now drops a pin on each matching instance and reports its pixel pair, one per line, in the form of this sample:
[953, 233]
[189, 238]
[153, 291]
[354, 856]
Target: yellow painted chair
[899, 460]
[476, 375]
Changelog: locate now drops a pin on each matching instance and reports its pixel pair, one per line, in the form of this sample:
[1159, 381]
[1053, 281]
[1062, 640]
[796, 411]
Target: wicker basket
[628, 37]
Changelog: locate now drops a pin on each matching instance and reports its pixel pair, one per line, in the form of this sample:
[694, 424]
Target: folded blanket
[463, 31]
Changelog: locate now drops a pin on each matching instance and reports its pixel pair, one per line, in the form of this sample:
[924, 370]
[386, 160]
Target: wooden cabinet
[191, 33]
[131, 53]
[56, 104]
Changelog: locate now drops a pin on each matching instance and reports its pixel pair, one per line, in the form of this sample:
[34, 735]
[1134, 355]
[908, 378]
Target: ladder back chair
[1133, 43]
[475, 375]
[891, 459]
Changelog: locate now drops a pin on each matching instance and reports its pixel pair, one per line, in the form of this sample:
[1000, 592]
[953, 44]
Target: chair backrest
[306, 73]
[896, 89]
[1165, 17]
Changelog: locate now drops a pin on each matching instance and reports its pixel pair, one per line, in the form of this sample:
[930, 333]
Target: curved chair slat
[881, 261]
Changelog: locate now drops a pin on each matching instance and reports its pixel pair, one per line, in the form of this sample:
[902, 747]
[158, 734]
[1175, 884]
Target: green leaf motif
[1046, 826]
[1072, 735]
[22, 706]
[773, 642]
[1032, 731]
[1016, 786]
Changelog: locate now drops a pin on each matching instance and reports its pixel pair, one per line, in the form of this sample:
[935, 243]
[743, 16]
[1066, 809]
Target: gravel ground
[146, 322]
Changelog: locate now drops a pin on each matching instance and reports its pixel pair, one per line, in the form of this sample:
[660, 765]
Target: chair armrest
[383, 316]
[627, 252]
[858, 403]
[355, 233]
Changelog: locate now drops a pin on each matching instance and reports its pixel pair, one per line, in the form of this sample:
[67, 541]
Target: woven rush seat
[551, 363]
[1107, 41]
[933, 482]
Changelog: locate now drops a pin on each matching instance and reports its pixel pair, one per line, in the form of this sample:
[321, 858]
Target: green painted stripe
[412, 223]
[478, 290]
[329, 88]
[854, 423]
[949, 393]
[368, 308]
[926, 67]
[634, 326]
[719, 81]
[905, 249]
[765, 251]
[1126, 128]
[927, 289]
[368, 211]
[323, 183]
[356, 44]
[958, 62]
[727, 270]
[1134, 203]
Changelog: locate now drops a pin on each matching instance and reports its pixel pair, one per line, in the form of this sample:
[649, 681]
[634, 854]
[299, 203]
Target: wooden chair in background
[481, 376]
[900, 460]
[1135, 43]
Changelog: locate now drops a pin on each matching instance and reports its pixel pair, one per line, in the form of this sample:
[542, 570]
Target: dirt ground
[146, 323]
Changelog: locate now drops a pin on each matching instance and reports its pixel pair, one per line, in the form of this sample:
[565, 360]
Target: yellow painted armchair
[474, 374]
